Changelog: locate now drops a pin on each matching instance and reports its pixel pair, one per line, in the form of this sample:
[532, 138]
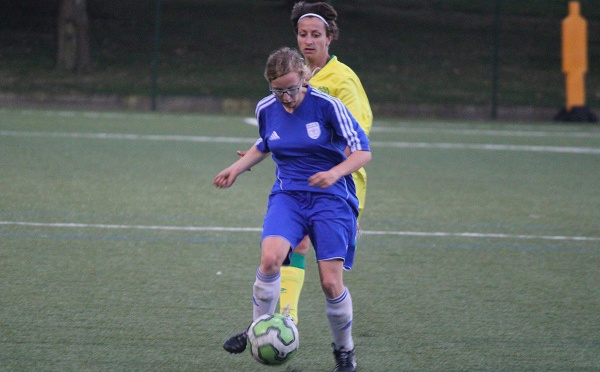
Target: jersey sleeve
[261, 143]
[347, 127]
[352, 94]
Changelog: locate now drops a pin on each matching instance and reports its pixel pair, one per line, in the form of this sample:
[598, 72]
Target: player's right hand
[224, 179]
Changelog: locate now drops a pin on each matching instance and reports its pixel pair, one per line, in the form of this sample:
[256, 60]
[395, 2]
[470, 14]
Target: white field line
[576, 133]
[474, 132]
[415, 145]
[257, 229]
[377, 128]
[126, 136]
[106, 115]
[487, 147]
[489, 132]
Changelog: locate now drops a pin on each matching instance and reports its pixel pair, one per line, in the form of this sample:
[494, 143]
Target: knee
[270, 264]
[273, 253]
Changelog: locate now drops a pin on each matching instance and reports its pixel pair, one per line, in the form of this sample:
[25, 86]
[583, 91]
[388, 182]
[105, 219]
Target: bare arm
[227, 176]
[354, 162]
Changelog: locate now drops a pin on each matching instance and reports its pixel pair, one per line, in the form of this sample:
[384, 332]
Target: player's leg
[338, 308]
[333, 233]
[266, 288]
[283, 227]
[292, 280]
[338, 303]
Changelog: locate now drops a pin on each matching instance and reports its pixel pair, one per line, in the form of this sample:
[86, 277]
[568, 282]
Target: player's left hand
[323, 179]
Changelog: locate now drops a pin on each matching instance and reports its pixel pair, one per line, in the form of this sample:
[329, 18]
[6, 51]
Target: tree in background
[73, 52]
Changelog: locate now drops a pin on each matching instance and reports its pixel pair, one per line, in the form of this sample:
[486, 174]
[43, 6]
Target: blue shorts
[328, 220]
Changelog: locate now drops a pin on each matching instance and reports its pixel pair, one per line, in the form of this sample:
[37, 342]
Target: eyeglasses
[291, 91]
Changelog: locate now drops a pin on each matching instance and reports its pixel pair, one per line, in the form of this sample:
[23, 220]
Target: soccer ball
[273, 339]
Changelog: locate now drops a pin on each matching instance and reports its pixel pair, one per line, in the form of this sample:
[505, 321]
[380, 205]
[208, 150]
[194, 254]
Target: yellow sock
[292, 279]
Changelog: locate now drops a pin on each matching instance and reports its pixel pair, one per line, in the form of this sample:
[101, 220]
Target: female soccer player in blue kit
[315, 26]
[307, 132]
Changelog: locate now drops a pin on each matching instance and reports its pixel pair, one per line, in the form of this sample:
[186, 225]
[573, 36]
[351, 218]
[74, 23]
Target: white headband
[314, 15]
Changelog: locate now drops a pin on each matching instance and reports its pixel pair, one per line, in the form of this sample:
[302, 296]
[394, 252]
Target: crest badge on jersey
[313, 129]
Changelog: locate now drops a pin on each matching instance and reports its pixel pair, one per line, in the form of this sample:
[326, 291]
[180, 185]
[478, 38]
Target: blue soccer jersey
[312, 139]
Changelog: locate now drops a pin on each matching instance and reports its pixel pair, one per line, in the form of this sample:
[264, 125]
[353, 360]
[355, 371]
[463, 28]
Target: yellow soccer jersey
[338, 80]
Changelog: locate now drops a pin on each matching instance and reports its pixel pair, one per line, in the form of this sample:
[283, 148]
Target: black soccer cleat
[236, 344]
[345, 361]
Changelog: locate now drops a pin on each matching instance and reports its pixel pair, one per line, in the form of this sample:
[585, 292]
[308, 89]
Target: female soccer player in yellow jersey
[316, 28]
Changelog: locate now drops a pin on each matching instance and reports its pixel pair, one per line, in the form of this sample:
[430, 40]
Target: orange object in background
[574, 55]
[575, 66]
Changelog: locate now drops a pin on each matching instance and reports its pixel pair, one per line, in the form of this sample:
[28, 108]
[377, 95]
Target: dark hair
[283, 61]
[323, 9]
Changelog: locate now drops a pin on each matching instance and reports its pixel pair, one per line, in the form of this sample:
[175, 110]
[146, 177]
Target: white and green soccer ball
[273, 339]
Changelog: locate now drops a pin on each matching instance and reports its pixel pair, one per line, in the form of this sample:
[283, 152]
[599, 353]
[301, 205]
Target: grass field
[480, 249]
